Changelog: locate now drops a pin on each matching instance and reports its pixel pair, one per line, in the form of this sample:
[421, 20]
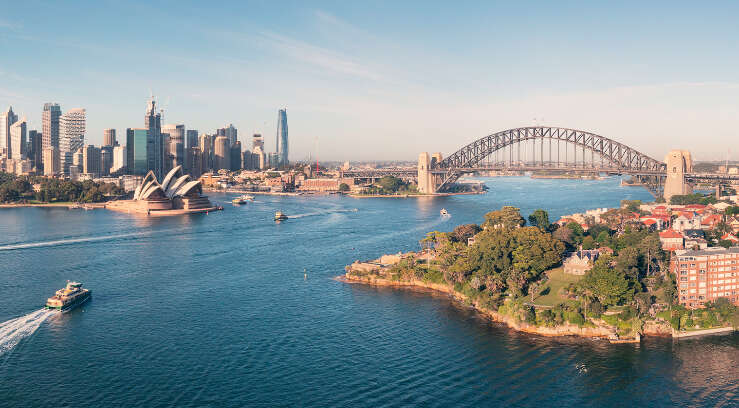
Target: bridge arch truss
[614, 157]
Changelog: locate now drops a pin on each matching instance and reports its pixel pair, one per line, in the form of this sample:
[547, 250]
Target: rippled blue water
[214, 310]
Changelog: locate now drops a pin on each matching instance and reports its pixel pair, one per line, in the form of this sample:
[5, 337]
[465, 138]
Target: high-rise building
[50, 125]
[192, 138]
[106, 159]
[206, 153]
[91, 161]
[137, 151]
[51, 161]
[71, 135]
[153, 122]
[222, 154]
[231, 133]
[260, 161]
[273, 160]
[7, 119]
[236, 156]
[17, 143]
[194, 162]
[109, 137]
[120, 159]
[175, 151]
[35, 149]
[257, 140]
[282, 145]
[78, 159]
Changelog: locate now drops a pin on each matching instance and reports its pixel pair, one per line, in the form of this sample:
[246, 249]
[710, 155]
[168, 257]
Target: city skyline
[416, 79]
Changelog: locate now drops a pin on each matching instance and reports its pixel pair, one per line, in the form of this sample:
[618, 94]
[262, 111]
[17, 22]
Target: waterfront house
[579, 262]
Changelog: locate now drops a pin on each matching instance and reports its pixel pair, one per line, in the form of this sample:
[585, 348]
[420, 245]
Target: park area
[550, 292]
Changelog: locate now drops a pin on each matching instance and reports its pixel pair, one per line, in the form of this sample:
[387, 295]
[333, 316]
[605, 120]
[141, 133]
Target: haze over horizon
[384, 81]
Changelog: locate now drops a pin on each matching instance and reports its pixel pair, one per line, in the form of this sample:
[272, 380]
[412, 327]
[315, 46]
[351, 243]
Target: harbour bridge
[556, 150]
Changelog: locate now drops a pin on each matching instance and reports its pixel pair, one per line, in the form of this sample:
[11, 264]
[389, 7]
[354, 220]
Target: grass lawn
[557, 280]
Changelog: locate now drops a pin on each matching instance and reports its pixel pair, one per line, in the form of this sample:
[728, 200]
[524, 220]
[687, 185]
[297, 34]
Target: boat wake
[69, 241]
[322, 213]
[15, 330]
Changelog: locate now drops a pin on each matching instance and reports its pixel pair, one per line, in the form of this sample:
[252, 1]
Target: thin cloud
[318, 56]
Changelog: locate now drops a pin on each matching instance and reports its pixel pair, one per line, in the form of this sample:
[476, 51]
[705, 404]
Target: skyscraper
[51, 161]
[17, 143]
[192, 138]
[106, 159]
[137, 151]
[257, 141]
[71, 135]
[7, 119]
[282, 145]
[120, 158]
[109, 137]
[175, 151]
[236, 156]
[231, 133]
[206, 153]
[91, 160]
[222, 154]
[155, 155]
[35, 149]
[50, 125]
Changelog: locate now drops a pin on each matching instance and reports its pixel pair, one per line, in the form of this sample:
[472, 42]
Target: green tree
[390, 184]
[506, 217]
[540, 219]
[462, 232]
[343, 187]
[607, 284]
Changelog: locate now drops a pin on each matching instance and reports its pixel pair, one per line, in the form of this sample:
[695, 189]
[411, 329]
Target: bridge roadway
[406, 172]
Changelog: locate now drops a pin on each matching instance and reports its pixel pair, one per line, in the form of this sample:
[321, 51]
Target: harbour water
[215, 310]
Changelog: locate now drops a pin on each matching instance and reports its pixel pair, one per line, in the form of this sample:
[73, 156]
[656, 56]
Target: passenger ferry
[69, 297]
[242, 199]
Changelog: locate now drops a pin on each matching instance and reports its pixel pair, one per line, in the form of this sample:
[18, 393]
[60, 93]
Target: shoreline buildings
[705, 275]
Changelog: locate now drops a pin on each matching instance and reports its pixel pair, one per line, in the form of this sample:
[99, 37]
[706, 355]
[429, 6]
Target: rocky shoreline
[600, 331]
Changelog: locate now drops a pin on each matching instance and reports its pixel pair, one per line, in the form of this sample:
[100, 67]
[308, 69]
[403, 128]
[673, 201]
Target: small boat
[444, 212]
[238, 201]
[69, 297]
[247, 197]
[280, 216]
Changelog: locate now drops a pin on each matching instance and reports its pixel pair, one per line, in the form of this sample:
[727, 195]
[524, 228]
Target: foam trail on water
[68, 241]
[15, 330]
[321, 213]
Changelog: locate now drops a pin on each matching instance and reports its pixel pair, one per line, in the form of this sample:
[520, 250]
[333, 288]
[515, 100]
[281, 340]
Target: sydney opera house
[176, 194]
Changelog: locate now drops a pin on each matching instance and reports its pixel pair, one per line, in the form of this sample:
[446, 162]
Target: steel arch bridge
[614, 157]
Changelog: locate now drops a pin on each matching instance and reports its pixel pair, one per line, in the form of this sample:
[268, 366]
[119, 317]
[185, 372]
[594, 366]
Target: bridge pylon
[678, 163]
[425, 178]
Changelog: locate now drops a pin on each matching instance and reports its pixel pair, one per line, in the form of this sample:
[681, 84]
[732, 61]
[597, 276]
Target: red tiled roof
[649, 221]
[730, 237]
[670, 233]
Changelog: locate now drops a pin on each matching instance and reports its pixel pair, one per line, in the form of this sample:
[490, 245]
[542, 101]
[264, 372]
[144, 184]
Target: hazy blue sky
[374, 80]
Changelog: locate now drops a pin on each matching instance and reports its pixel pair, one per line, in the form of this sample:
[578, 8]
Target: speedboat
[238, 201]
[444, 212]
[280, 216]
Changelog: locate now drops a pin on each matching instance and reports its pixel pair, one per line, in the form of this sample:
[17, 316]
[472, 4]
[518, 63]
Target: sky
[378, 80]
